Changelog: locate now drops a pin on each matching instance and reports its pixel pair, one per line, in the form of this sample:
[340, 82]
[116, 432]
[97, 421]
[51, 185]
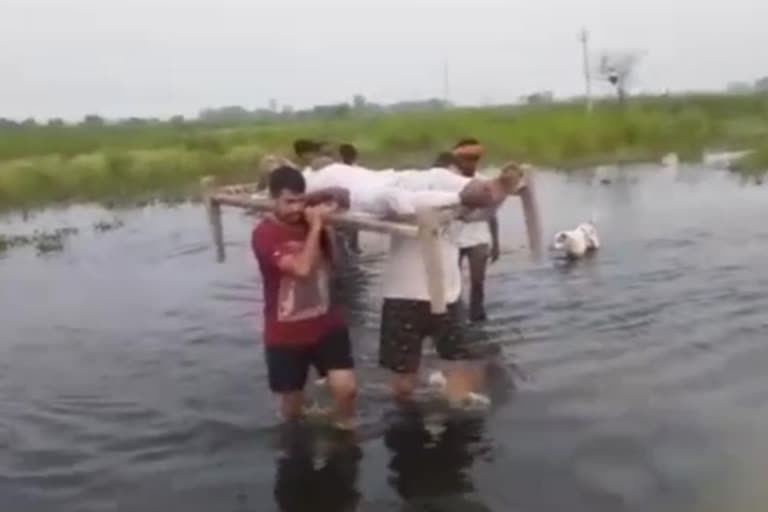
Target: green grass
[40, 165]
[755, 162]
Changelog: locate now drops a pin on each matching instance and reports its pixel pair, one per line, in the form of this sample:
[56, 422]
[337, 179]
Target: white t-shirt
[405, 276]
[474, 233]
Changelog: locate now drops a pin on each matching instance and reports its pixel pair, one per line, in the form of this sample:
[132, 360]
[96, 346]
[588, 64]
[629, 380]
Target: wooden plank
[347, 219]
[430, 223]
[213, 209]
[239, 188]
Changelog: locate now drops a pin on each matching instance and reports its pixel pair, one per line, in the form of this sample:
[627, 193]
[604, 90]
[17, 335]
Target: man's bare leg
[464, 381]
[403, 386]
[343, 387]
[478, 262]
[459, 382]
[292, 405]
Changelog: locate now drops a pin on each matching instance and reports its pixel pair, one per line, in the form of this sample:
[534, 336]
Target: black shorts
[288, 367]
[404, 325]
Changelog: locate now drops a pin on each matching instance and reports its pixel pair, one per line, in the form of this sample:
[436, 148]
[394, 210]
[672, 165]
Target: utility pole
[584, 38]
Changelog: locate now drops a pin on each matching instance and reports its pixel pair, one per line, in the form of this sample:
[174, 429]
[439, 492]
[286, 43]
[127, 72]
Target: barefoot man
[302, 327]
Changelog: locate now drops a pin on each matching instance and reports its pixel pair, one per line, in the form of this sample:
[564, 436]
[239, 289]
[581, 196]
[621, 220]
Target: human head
[348, 154]
[305, 149]
[468, 153]
[446, 159]
[287, 187]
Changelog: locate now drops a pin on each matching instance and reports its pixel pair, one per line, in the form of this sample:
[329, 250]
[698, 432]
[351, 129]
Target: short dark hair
[303, 146]
[288, 178]
[348, 153]
[444, 159]
[466, 142]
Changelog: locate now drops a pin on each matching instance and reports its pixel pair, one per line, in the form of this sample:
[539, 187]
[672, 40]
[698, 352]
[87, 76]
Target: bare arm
[301, 264]
[493, 226]
[482, 194]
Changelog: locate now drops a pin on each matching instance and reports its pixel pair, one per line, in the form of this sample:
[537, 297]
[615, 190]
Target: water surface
[132, 379]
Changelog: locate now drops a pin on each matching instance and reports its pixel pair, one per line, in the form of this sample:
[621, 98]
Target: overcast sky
[162, 57]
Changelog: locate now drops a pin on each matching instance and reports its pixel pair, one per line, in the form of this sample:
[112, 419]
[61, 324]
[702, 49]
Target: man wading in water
[302, 327]
[478, 241]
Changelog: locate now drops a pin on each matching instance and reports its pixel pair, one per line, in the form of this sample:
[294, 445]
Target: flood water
[132, 376]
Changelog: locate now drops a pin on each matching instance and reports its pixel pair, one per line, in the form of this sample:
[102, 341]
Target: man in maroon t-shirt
[302, 327]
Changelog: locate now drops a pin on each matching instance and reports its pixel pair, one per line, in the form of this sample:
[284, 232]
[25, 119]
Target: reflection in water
[432, 459]
[315, 474]
[646, 368]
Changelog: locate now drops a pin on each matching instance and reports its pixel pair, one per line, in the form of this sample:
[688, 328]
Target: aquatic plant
[104, 226]
[49, 242]
[755, 162]
[43, 241]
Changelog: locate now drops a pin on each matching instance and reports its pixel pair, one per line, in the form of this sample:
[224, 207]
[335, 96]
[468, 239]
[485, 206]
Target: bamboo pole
[347, 219]
[429, 234]
[213, 209]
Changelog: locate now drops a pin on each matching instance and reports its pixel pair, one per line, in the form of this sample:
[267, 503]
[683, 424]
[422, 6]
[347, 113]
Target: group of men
[303, 328]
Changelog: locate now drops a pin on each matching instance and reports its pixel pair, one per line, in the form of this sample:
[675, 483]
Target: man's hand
[494, 254]
[316, 215]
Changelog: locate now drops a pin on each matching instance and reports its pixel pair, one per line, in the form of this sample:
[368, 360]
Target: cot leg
[213, 209]
[429, 232]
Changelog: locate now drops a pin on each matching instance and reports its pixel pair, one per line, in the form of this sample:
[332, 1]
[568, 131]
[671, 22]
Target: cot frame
[425, 226]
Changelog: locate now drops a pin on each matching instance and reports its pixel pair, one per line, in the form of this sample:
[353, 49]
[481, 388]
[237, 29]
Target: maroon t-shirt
[297, 311]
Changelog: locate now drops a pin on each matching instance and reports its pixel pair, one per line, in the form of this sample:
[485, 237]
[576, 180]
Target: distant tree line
[238, 114]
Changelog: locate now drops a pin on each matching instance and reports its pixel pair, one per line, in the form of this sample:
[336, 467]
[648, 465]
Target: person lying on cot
[390, 193]
[406, 316]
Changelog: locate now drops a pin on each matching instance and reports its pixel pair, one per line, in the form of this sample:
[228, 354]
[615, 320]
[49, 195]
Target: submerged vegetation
[43, 241]
[44, 164]
[52, 241]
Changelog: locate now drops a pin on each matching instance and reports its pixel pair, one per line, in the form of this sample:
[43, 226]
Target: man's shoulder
[265, 231]
[263, 226]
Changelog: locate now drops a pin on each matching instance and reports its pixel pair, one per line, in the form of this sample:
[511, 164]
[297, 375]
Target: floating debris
[104, 226]
[43, 241]
[67, 231]
[670, 160]
[49, 242]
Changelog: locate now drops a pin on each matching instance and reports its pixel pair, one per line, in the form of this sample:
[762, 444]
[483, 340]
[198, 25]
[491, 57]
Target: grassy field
[40, 165]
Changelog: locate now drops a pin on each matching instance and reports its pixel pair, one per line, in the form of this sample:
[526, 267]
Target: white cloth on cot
[402, 192]
[387, 191]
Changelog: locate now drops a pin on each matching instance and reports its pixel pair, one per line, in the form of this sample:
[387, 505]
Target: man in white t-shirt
[478, 241]
[406, 318]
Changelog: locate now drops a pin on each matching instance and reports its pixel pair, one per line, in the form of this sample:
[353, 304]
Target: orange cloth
[475, 150]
